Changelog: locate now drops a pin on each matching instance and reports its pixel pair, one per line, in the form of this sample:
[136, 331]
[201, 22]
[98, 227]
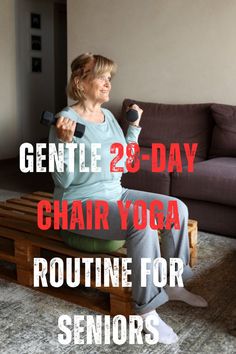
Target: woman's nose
[107, 82]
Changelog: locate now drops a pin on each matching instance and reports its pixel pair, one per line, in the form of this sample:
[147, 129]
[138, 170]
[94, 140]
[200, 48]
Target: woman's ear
[78, 84]
[81, 87]
[77, 81]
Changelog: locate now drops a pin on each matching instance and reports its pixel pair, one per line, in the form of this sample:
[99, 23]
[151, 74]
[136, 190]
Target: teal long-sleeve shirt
[104, 185]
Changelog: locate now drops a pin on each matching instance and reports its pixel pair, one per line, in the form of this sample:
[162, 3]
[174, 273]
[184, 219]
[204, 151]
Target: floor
[29, 319]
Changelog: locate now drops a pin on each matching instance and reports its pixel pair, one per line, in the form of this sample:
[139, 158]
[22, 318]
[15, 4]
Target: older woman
[89, 87]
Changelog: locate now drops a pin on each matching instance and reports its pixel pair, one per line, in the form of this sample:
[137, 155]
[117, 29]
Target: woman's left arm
[134, 128]
[132, 134]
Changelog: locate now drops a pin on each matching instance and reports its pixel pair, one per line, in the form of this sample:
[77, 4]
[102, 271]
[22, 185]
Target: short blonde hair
[102, 65]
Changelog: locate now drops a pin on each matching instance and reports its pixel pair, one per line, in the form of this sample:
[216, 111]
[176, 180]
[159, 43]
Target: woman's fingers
[73, 125]
[60, 121]
[137, 108]
[67, 124]
[65, 129]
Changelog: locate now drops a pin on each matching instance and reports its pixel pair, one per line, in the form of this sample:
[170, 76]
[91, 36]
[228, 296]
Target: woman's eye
[104, 78]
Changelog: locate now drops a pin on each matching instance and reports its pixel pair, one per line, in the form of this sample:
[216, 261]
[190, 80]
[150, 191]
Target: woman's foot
[166, 333]
[181, 294]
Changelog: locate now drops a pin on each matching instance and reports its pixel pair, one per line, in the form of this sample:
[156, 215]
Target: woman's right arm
[63, 134]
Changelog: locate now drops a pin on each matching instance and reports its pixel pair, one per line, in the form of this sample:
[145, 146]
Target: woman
[90, 86]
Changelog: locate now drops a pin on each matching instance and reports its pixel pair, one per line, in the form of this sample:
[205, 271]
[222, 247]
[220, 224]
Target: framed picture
[36, 65]
[35, 20]
[36, 42]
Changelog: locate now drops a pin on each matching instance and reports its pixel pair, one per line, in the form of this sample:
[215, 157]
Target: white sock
[166, 333]
[181, 294]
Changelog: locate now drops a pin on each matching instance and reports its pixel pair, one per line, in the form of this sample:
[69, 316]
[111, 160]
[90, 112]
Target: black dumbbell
[48, 118]
[131, 114]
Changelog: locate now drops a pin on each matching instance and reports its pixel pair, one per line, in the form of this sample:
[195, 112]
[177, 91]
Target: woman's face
[98, 89]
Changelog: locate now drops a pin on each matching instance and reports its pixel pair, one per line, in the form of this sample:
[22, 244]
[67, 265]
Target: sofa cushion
[213, 180]
[165, 123]
[212, 217]
[224, 132]
[145, 179]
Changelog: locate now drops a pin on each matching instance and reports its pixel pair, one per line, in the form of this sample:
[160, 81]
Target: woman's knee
[182, 209]
[141, 224]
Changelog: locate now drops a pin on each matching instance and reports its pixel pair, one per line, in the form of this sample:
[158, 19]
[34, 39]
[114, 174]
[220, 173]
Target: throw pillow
[224, 133]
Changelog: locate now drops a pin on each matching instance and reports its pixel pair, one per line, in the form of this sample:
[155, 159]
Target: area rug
[29, 319]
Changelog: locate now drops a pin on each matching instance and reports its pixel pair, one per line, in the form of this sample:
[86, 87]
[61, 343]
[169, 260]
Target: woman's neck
[90, 111]
[90, 108]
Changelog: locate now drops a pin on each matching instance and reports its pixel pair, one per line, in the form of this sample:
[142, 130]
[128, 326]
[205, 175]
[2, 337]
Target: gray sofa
[210, 191]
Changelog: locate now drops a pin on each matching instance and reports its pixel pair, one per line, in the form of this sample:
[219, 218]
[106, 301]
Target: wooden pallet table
[21, 241]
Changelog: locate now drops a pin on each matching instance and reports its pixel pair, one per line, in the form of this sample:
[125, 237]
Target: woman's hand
[65, 129]
[140, 112]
